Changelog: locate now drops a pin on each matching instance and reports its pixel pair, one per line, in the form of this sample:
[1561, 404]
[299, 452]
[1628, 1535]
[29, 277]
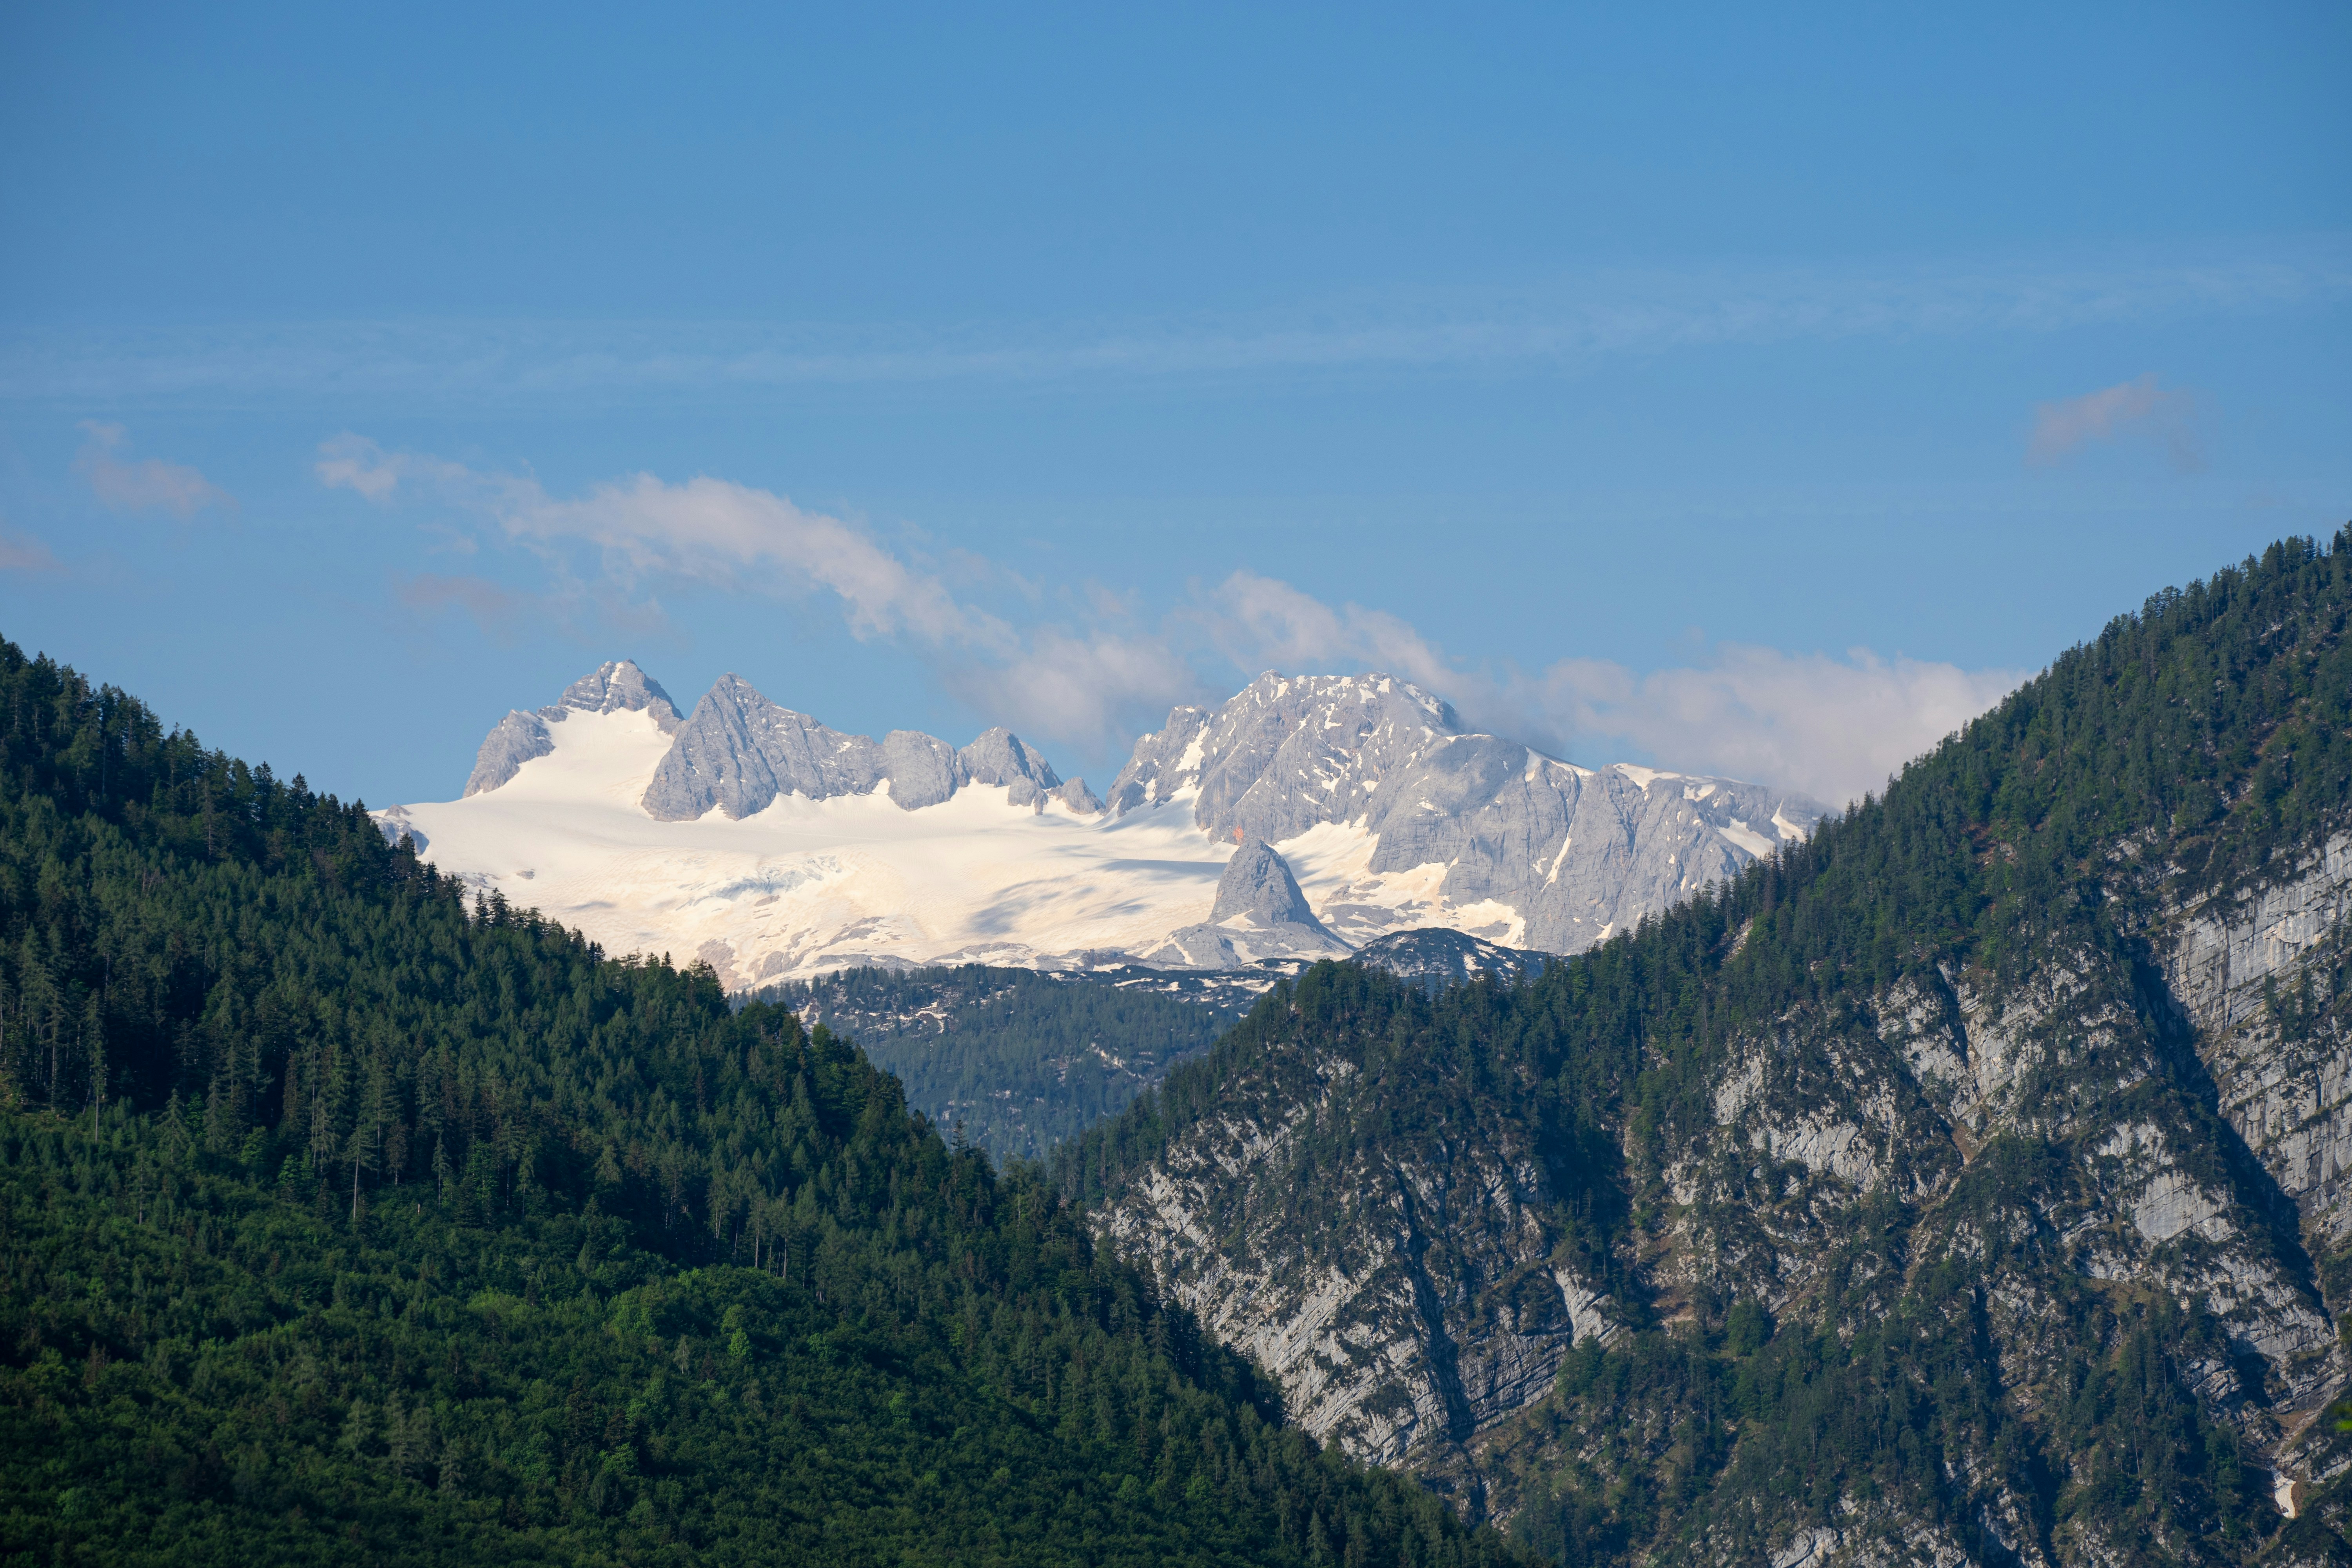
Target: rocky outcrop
[396, 826]
[617, 687]
[1000, 757]
[1406, 1297]
[515, 740]
[1285, 752]
[1814, 1118]
[1259, 914]
[737, 752]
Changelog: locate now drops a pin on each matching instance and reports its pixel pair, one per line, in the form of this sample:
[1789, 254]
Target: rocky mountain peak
[617, 687]
[737, 751]
[1285, 752]
[1259, 914]
[1258, 883]
[1001, 757]
[1559, 856]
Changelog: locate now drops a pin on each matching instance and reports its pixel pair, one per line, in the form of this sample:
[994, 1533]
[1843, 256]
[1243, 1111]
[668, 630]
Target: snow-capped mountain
[1304, 817]
[1392, 816]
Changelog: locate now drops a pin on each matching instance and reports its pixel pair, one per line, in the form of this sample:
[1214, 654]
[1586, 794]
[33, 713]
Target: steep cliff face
[1967, 1186]
[2260, 974]
[1406, 1296]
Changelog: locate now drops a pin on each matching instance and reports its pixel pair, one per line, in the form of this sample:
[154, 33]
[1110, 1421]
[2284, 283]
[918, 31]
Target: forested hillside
[1961, 1186]
[341, 1220]
[1016, 1060]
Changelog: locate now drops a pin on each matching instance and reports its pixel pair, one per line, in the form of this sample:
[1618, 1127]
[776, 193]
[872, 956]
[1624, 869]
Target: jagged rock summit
[1394, 816]
[1259, 914]
[772, 845]
[737, 751]
[519, 737]
[1257, 886]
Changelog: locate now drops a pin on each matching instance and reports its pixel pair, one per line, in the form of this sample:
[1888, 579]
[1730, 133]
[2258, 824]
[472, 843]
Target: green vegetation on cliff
[2203, 744]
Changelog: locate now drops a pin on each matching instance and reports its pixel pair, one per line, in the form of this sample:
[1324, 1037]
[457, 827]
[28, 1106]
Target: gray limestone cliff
[1402, 1255]
[515, 740]
[737, 751]
[999, 757]
[1575, 854]
[617, 687]
[1400, 1263]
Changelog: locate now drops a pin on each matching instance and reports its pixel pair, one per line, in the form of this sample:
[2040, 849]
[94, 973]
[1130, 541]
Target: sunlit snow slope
[826, 868]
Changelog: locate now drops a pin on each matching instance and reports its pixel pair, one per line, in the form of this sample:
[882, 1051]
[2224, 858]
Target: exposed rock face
[1286, 752]
[739, 751]
[2259, 973]
[617, 688]
[1001, 757]
[1075, 795]
[922, 771]
[1815, 1118]
[395, 825]
[1259, 914]
[1561, 855]
[515, 740]
[1407, 1296]
[1257, 884]
[1410, 1295]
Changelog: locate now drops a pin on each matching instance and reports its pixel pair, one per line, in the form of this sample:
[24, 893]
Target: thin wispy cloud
[607, 553]
[1829, 726]
[496, 611]
[2139, 407]
[22, 552]
[1571, 320]
[146, 484]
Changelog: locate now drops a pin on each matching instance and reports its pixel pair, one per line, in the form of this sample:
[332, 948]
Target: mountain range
[774, 848]
[1962, 1183]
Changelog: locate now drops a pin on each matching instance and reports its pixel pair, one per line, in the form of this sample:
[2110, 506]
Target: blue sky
[1690, 385]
